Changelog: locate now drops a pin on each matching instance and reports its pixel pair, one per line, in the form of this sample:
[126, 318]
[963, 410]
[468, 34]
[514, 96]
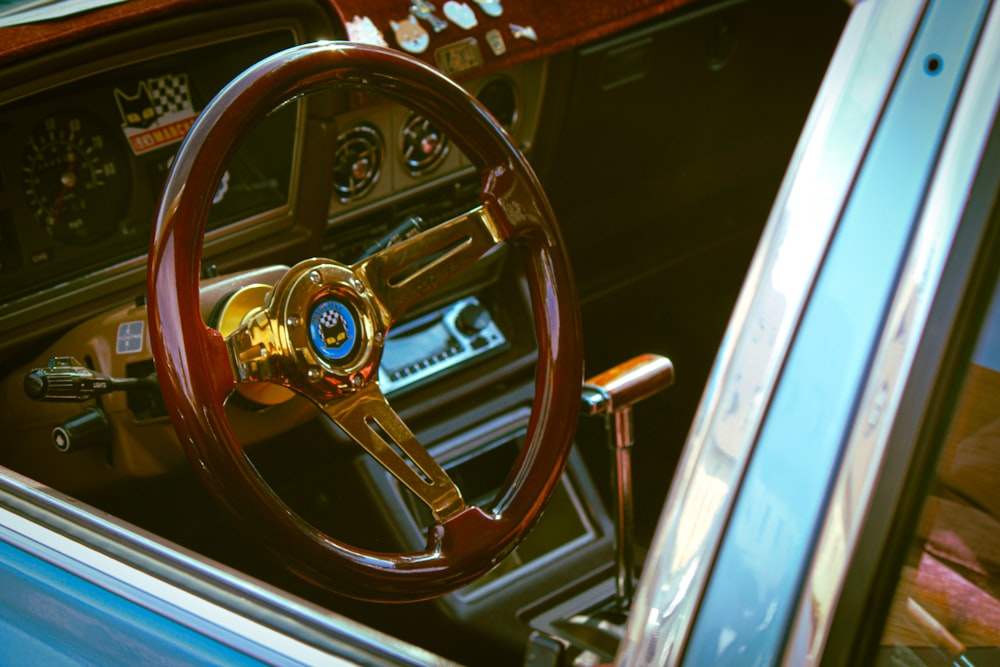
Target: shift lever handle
[612, 394]
[626, 384]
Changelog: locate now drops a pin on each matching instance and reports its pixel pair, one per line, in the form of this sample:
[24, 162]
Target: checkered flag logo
[334, 332]
[170, 94]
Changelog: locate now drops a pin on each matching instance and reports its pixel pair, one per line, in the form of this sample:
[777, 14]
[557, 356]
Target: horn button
[333, 329]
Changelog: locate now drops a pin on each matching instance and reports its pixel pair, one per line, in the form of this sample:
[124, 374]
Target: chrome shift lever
[591, 623]
[612, 394]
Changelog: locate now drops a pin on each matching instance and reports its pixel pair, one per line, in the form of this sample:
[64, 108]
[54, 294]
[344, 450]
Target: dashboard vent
[422, 145]
[500, 98]
[357, 162]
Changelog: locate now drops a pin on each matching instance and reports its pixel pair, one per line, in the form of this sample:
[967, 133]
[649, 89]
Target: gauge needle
[68, 180]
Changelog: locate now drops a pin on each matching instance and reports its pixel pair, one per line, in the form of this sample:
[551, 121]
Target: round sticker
[333, 330]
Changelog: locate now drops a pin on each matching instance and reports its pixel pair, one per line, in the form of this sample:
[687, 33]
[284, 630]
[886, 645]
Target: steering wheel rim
[195, 367]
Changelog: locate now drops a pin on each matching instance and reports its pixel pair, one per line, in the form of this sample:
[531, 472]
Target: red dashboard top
[555, 25]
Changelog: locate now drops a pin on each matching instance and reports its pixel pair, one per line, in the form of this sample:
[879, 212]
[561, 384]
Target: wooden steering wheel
[322, 330]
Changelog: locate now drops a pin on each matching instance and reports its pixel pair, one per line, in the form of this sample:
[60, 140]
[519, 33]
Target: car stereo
[438, 341]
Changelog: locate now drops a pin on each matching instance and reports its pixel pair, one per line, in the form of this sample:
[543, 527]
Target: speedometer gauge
[75, 178]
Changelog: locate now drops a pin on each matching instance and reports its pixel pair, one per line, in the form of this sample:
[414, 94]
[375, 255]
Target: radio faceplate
[438, 341]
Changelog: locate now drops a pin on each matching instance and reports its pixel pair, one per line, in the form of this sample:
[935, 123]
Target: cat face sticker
[411, 35]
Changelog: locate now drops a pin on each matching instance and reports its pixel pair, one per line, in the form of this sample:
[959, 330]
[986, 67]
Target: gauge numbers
[75, 178]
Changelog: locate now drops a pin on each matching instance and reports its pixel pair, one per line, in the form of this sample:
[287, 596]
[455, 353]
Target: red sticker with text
[158, 113]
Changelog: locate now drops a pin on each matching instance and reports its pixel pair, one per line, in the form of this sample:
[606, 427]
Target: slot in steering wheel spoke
[369, 419]
[404, 273]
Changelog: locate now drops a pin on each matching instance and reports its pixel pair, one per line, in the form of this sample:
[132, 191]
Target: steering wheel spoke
[369, 419]
[404, 273]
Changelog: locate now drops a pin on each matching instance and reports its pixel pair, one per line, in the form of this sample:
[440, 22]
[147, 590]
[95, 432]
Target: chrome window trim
[866, 447]
[161, 597]
[805, 214]
[208, 598]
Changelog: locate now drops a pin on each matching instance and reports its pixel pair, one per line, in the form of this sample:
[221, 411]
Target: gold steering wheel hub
[320, 325]
[327, 316]
[235, 310]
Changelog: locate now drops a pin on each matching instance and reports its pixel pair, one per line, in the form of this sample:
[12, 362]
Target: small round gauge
[75, 178]
[422, 145]
[357, 162]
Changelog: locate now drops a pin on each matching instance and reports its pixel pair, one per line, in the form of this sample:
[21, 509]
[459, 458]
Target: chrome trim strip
[806, 211]
[167, 600]
[866, 446]
[222, 604]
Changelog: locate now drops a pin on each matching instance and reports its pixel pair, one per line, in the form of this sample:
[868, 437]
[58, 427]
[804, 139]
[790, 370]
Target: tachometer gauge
[75, 178]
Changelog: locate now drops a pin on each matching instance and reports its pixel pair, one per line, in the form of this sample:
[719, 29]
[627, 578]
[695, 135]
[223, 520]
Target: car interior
[659, 133]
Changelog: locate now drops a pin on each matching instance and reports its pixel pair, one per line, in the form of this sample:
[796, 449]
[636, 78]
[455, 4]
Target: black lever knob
[87, 429]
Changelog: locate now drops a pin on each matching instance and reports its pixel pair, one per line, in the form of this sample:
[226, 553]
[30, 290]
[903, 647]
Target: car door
[820, 428]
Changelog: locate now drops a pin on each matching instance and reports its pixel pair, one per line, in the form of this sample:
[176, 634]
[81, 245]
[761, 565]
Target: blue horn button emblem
[333, 330]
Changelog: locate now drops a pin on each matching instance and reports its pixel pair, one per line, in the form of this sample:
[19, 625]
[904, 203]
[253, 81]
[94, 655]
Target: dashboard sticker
[410, 35]
[491, 7]
[461, 14]
[523, 32]
[459, 56]
[495, 40]
[362, 29]
[425, 10]
[158, 114]
[130, 337]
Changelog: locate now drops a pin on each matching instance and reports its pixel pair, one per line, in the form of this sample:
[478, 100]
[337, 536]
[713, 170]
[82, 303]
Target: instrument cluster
[82, 163]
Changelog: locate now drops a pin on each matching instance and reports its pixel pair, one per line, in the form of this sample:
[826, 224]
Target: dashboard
[92, 111]
[88, 135]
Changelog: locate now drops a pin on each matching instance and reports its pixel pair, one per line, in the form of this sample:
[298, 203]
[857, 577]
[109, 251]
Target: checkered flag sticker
[330, 319]
[170, 94]
[332, 324]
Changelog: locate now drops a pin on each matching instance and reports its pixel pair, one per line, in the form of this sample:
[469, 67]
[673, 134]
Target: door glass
[946, 609]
